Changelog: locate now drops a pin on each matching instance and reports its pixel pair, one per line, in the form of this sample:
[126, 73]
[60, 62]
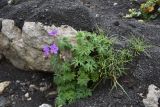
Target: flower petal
[53, 32]
[54, 49]
[46, 50]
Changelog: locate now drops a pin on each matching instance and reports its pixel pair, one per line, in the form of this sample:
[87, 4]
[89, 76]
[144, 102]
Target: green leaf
[60, 101]
[83, 92]
[83, 79]
[78, 61]
[68, 76]
[63, 43]
[66, 66]
[95, 76]
[66, 86]
[68, 96]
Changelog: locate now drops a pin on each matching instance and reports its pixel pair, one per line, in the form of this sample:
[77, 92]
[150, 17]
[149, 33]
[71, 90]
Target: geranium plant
[80, 67]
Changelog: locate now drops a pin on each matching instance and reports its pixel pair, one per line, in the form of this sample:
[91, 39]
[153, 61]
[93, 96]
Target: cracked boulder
[23, 48]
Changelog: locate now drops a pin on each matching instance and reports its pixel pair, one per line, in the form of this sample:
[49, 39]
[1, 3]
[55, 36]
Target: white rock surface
[152, 97]
[45, 105]
[3, 85]
[26, 95]
[23, 48]
[10, 1]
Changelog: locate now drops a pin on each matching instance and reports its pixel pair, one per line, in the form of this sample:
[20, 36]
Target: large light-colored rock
[23, 48]
[152, 97]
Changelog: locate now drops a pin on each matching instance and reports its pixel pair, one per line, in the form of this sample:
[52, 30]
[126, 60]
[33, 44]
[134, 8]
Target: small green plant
[137, 44]
[80, 67]
[148, 10]
[133, 13]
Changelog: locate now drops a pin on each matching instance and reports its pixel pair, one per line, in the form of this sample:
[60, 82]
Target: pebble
[52, 93]
[10, 1]
[45, 105]
[13, 103]
[152, 97]
[27, 95]
[29, 99]
[23, 84]
[33, 87]
[141, 21]
[97, 15]
[17, 81]
[115, 4]
[4, 85]
[141, 95]
[42, 89]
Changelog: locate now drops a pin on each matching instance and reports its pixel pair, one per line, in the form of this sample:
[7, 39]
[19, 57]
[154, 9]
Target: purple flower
[46, 50]
[53, 32]
[54, 49]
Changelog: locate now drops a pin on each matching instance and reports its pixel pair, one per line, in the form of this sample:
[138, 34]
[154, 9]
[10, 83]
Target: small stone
[141, 21]
[115, 4]
[26, 95]
[10, 1]
[33, 87]
[23, 84]
[13, 103]
[3, 85]
[97, 15]
[141, 95]
[42, 83]
[44, 86]
[45, 105]
[152, 96]
[46, 10]
[17, 81]
[29, 99]
[52, 93]
[42, 89]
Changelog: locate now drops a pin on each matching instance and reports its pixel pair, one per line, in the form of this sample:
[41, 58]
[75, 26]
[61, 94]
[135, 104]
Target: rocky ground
[32, 89]
[24, 89]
